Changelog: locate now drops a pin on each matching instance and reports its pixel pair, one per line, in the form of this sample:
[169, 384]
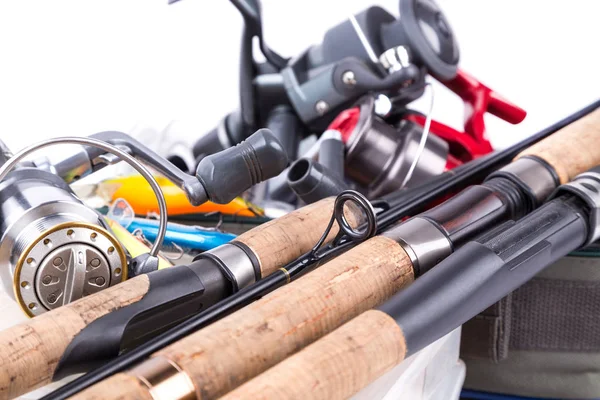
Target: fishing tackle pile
[323, 229]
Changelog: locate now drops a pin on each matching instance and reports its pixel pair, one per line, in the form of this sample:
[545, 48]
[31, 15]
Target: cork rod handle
[233, 350]
[334, 367]
[117, 387]
[288, 237]
[32, 350]
[573, 149]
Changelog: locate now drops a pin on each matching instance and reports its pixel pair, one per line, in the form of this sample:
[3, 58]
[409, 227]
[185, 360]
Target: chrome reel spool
[53, 248]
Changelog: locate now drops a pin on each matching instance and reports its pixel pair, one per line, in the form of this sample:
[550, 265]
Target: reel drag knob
[425, 31]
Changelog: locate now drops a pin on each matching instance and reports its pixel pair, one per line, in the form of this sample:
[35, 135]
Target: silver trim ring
[237, 263]
[425, 244]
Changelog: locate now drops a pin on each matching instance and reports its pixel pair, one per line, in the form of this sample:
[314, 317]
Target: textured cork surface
[117, 387]
[248, 342]
[334, 367]
[573, 149]
[31, 350]
[284, 239]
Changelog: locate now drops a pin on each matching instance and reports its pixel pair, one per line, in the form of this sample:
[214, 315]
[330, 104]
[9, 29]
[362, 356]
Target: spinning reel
[55, 249]
[371, 52]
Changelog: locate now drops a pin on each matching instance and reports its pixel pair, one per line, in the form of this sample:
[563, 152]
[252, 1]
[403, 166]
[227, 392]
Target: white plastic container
[434, 373]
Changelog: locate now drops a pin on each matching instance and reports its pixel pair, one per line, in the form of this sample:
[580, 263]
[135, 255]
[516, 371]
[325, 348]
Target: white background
[74, 67]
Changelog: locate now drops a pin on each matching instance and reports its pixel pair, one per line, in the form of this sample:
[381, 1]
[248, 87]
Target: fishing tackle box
[542, 340]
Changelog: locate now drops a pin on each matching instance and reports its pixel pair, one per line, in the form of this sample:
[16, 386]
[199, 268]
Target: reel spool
[53, 248]
[379, 156]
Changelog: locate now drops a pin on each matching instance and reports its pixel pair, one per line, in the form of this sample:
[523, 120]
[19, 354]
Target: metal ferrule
[587, 187]
[536, 177]
[235, 263]
[424, 243]
[164, 379]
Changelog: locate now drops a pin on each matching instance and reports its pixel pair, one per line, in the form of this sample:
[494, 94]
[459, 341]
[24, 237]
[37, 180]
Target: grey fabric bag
[543, 340]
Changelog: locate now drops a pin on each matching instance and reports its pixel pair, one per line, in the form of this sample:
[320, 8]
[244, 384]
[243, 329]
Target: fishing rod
[456, 290]
[100, 326]
[363, 277]
[410, 202]
[219, 178]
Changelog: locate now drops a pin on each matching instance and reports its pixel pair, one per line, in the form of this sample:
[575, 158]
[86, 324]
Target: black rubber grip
[175, 294]
[230, 172]
[479, 274]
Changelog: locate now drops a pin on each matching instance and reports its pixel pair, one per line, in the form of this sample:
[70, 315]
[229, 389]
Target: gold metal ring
[287, 274]
[64, 225]
[164, 379]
